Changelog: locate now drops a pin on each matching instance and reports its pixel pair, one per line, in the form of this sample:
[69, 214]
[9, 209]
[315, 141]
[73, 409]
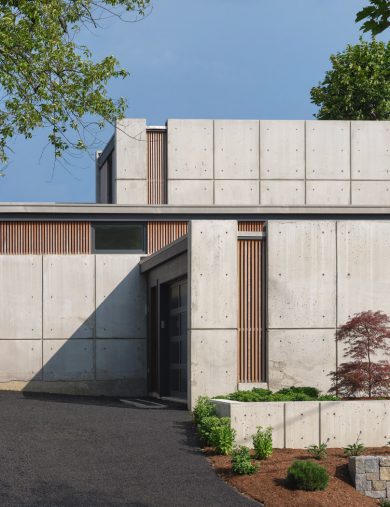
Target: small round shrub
[222, 436]
[206, 427]
[307, 476]
[262, 442]
[241, 461]
[203, 408]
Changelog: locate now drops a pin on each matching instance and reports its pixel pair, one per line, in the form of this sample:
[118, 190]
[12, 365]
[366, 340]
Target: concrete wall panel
[190, 149]
[190, 192]
[213, 362]
[370, 150]
[301, 274]
[131, 192]
[363, 250]
[246, 419]
[116, 359]
[301, 357]
[213, 274]
[21, 296]
[303, 422]
[69, 296]
[343, 423]
[327, 150]
[120, 297]
[282, 193]
[232, 193]
[282, 149]
[130, 149]
[68, 360]
[370, 193]
[236, 149]
[327, 193]
[20, 360]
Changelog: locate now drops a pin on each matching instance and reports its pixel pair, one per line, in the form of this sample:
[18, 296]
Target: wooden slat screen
[248, 226]
[45, 238]
[160, 234]
[249, 311]
[157, 166]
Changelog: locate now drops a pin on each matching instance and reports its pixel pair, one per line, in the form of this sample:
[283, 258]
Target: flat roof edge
[168, 252]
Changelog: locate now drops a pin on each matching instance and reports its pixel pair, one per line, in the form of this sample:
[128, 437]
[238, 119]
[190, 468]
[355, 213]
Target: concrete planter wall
[299, 424]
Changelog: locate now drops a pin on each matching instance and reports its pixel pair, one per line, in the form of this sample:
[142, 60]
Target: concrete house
[220, 255]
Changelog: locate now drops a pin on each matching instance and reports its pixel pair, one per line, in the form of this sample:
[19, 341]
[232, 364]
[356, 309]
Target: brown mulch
[268, 486]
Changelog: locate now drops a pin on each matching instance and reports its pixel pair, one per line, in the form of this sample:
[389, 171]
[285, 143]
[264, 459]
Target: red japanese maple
[365, 334]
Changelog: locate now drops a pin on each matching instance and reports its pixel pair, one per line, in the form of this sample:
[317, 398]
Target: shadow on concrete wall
[105, 354]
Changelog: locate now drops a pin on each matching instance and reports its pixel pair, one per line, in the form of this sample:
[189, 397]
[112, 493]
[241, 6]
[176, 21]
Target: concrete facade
[82, 325]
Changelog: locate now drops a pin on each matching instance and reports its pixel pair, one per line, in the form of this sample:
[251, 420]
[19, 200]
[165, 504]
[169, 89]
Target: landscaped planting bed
[268, 484]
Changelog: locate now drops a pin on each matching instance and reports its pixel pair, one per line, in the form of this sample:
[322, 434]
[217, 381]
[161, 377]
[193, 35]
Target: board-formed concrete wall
[319, 274]
[73, 323]
[212, 334]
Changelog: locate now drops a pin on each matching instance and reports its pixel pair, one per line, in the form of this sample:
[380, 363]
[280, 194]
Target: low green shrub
[222, 437]
[311, 392]
[287, 394]
[318, 451]
[204, 408]
[355, 449]
[384, 503]
[206, 427]
[262, 442]
[307, 476]
[241, 461]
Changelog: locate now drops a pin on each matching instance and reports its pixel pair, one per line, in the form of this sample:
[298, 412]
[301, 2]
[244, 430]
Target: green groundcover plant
[287, 394]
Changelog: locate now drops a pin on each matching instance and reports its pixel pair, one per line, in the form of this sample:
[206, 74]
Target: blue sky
[198, 59]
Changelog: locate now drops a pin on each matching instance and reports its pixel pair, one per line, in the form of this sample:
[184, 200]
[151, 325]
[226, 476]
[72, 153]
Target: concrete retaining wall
[300, 424]
[73, 323]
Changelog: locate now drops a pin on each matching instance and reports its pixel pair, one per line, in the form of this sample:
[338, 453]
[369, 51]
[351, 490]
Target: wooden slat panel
[160, 234]
[157, 166]
[18, 238]
[251, 226]
[249, 311]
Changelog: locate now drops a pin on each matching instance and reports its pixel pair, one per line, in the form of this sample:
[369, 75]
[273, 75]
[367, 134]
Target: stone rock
[384, 474]
[385, 461]
[379, 485]
[372, 476]
[371, 464]
[356, 465]
[376, 494]
[361, 483]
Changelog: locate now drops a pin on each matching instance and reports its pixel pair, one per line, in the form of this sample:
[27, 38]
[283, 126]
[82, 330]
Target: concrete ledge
[131, 387]
[298, 424]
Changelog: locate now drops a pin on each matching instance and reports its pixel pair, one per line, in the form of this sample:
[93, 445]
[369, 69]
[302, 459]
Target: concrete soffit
[166, 253]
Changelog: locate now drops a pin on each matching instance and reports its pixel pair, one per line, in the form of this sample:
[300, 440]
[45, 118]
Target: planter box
[298, 424]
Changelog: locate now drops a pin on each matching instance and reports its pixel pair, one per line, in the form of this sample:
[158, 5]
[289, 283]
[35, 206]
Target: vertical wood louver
[250, 315]
[160, 234]
[157, 166]
[37, 238]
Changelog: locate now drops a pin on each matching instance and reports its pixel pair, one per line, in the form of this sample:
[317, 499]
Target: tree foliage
[376, 17]
[49, 80]
[358, 85]
[364, 335]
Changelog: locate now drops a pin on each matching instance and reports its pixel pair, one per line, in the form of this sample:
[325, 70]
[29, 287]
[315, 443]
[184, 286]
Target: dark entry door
[178, 339]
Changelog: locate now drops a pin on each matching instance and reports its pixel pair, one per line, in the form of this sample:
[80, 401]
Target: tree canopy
[376, 17]
[358, 85]
[47, 79]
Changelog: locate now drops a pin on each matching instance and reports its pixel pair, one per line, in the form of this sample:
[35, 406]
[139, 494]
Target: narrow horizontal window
[119, 237]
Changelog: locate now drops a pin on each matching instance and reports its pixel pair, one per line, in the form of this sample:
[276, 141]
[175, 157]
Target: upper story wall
[251, 162]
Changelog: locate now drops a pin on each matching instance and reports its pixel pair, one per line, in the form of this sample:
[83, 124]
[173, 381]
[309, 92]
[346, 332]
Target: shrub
[355, 449]
[307, 476]
[241, 461]
[385, 503]
[311, 392]
[222, 437]
[203, 408]
[318, 451]
[206, 427]
[262, 442]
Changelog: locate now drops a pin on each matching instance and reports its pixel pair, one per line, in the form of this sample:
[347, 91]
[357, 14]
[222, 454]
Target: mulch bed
[268, 486]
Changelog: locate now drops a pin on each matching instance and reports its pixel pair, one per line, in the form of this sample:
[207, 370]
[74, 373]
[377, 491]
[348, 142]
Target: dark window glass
[120, 237]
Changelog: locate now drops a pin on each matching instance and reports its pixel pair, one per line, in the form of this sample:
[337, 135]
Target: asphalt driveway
[73, 451]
